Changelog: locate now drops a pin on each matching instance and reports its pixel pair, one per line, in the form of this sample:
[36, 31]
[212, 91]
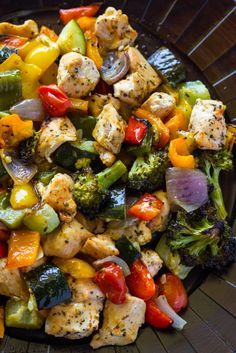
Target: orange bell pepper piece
[23, 248]
[49, 32]
[92, 49]
[164, 134]
[68, 14]
[2, 326]
[176, 122]
[12, 41]
[179, 154]
[87, 23]
[13, 130]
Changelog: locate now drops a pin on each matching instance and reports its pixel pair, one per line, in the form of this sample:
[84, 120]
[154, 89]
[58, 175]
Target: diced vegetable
[146, 145]
[146, 208]
[18, 315]
[178, 322]
[72, 38]
[140, 281]
[10, 88]
[168, 65]
[29, 109]
[4, 199]
[111, 281]
[127, 251]
[5, 52]
[23, 248]
[84, 123]
[3, 249]
[87, 23]
[23, 196]
[12, 41]
[50, 75]
[135, 131]
[12, 218]
[27, 29]
[48, 285]
[54, 100]
[79, 104]
[115, 67]
[177, 122]
[192, 90]
[43, 220]
[13, 130]
[4, 235]
[3, 171]
[76, 268]
[179, 154]
[92, 50]
[155, 317]
[2, 326]
[68, 14]
[49, 32]
[113, 259]
[46, 176]
[116, 206]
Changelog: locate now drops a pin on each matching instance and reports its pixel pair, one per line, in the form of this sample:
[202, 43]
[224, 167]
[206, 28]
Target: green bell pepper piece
[192, 90]
[12, 218]
[46, 176]
[84, 123]
[4, 200]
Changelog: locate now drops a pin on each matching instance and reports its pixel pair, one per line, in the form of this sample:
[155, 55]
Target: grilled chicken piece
[100, 246]
[109, 131]
[113, 30]
[152, 260]
[208, 124]
[95, 226]
[159, 223]
[53, 133]
[138, 232]
[97, 102]
[160, 104]
[58, 194]
[73, 320]
[67, 241]
[11, 283]
[121, 323]
[77, 75]
[84, 289]
[107, 157]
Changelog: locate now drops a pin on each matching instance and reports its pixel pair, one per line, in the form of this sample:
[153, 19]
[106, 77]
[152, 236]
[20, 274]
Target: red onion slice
[29, 109]
[163, 305]
[115, 67]
[186, 188]
[116, 260]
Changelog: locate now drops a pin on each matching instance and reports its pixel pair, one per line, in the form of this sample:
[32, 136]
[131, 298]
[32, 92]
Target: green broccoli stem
[110, 175]
[217, 196]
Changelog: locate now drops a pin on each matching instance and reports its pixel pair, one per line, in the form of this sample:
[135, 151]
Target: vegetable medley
[109, 180]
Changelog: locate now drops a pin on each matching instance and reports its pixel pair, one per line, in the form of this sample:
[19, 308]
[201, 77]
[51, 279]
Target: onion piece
[163, 305]
[115, 67]
[116, 260]
[186, 188]
[18, 171]
[29, 109]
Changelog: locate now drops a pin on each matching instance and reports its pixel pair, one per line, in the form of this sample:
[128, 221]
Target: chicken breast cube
[160, 104]
[138, 232]
[159, 223]
[97, 102]
[11, 282]
[113, 29]
[74, 320]
[152, 260]
[208, 124]
[77, 75]
[100, 246]
[67, 241]
[53, 133]
[58, 194]
[121, 323]
[109, 130]
[107, 157]
[132, 90]
[84, 289]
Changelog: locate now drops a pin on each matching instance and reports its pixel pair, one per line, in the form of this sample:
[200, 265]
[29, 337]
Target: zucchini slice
[48, 285]
[127, 251]
[10, 88]
[72, 38]
[5, 52]
[116, 206]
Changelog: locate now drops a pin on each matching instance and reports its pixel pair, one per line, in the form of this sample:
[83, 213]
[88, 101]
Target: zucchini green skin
[4, 200]
[145, 146]
[43, 220]
[48, 285]
[127, 251]
[72, 38]
[5, 52]
[84, 123]
[10, 88]
[115, 208]
[12, 218]
[168, 65]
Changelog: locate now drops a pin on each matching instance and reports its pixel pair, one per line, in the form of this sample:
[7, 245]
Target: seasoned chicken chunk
[84, 289]
[113, 29]
[159, 223]
[73, 320]
[132, 90]
[138, 232]
[208, 124]
[107, 157]
[100, 246]
[77, 75]
[160, 104]
[109, 130]
[95, 226]
[53, 134]
[152, 260]
[67, 241]
[121, 323]
[97, 102]
[58, 194]
[11, 283]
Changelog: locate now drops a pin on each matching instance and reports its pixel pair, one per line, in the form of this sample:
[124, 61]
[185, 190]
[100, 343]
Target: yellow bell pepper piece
[185, 107]
[23, 196]
[13, 130]
[50, 75]
[179, 154]
[49, 32]
[29, 74]
[76, 268]
[27, 47]
[44, 54]
[79, 104]
[167, 88]
[92, 50]
[177, 122]
[28, 29]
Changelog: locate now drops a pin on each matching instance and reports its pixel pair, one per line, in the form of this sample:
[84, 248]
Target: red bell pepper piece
[54, 100]
[4, 232]
[76, 12]
[146, 208]
[111, 281]
[135, 132]
[173, 289]
[140, 281]
[3, 249]
[155, 317]
[12, 41]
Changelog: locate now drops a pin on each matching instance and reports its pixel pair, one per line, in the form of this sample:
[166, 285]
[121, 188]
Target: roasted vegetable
[127, 251]
[43, 220]
[27, 149]
[76, 268]
[10, 88]
[5, 52]
[12, 218]
[192, 90]
[23, 196]
[72, 38]
[84, 123]
[116, 205]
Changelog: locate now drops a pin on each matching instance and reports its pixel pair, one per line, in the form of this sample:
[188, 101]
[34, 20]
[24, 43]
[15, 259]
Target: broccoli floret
[212, 162]
[82, 163]
[91, 190]
[201, 239]
[148, 172]
[27, 149]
